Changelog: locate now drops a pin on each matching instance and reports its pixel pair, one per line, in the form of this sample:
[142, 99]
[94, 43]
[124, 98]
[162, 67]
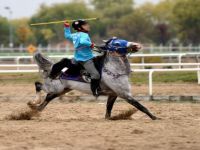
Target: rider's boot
[57, 67]
[55, 71]
[95, 87]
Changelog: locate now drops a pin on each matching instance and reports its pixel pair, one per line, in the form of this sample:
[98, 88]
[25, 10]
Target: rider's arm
[67, 32]
[85, 40]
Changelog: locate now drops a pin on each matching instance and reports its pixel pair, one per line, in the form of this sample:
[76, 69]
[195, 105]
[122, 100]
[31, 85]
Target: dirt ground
[64, 125]
[21, 92]
[81, 126]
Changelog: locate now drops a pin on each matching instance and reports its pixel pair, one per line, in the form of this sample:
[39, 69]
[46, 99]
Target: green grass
[165, 77]
[136, 78]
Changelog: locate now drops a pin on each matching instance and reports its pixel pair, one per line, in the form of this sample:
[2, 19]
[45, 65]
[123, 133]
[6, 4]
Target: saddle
[76, 72]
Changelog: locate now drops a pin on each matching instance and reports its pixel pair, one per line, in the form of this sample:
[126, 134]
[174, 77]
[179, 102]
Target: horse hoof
[33, 106]
[155, 118]
[159, 118]
[107, 117]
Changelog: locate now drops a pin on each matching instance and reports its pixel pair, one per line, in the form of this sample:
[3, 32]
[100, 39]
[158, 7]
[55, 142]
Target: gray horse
[114, 82]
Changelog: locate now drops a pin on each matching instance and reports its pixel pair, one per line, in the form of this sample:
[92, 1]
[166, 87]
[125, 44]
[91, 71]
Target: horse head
[115, 51]
[120, 46]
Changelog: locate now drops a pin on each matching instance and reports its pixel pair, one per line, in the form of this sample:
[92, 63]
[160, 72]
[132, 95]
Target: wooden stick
[57, 22]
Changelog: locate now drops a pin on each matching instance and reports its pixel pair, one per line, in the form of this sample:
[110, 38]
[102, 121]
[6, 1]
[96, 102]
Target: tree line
[169, 21]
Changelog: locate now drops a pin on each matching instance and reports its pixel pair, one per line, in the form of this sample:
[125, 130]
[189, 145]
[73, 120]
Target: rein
[114, 75]
[116, 54]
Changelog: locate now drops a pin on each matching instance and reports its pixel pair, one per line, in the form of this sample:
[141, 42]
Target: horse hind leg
[109, 106]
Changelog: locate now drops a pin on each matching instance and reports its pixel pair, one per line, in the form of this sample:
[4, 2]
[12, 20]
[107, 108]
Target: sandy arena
[81, 125]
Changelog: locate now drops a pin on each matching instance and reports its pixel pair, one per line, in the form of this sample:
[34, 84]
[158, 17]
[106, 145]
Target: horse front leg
[38, 97]
[49, 97]
[40, 107]
[109, 106]
[140, 107]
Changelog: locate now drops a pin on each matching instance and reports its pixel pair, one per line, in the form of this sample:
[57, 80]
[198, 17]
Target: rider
[83, 51]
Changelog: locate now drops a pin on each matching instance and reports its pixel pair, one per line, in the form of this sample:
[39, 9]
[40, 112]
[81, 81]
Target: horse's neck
[117, 64]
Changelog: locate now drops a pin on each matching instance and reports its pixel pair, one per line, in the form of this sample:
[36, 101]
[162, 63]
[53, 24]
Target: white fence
[196, 66]
[151, 71]
[179, 56]
[65, 48]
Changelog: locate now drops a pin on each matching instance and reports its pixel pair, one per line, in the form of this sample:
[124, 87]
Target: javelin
[57, 22]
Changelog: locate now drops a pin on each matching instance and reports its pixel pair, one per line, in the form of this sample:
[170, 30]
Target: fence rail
[179, 56]
[66, 48]
[20, 67]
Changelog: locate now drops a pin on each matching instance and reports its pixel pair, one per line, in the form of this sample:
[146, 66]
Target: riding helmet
[77, 24]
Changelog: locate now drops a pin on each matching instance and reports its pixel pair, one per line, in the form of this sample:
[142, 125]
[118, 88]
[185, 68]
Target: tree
[187, 21]
[22, 32]
[4, 30]
[161, 16]
[110, 12]
[57, 12]
[48, 34]
[135, 27]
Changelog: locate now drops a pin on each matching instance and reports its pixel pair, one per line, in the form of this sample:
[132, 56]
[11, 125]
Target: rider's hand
[138, 46]
[66, 24]
[134, 47]
[92, 45]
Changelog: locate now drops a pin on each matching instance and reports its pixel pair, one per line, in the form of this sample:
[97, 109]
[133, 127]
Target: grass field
[136, 78]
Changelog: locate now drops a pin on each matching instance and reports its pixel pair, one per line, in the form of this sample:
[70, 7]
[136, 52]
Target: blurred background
[164, 23]
[168, 30]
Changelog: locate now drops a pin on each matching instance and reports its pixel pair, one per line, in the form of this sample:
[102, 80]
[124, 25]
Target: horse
[115, 71]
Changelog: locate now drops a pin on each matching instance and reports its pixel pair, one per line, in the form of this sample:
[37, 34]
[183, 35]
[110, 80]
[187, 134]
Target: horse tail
[44, 63]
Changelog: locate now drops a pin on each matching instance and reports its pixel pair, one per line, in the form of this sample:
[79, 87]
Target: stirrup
[97, 92]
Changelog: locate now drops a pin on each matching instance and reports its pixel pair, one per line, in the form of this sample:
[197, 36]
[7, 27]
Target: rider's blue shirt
[82, 44]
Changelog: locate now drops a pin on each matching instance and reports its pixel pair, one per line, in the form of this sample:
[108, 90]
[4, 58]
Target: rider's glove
[92, 45]
[66, 24]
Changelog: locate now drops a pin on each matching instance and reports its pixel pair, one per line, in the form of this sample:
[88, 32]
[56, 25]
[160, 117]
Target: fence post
[57, 47]
[21, 47]
[151, 48]
[160, 48]
[151, 83]
[198, 72]
[180, 47]
[170, 47]
[39, 48]
[190, 47]
[49, 48]
[170, 50]
[198, 76]
[179, 61]
[142, 61]
[17, 62]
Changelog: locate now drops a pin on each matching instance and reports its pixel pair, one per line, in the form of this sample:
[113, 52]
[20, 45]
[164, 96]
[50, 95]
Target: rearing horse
[115, 72]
